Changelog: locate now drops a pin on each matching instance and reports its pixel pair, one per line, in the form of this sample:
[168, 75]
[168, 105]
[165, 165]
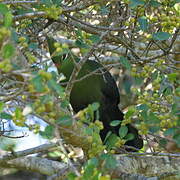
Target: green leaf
[48, 132]
[89, 131]
[143, 107]
[177, 139]
[79, 33]
[89, 168]
[71, 176]
[135, 3]
[65, 121]
[154, 3]
[4, 115]
[94, 162]
[138, 80]
[129, 137]
[170, 132]
[127, 85]
[95, 106]
[154, 129]
[8, 51]
[18, 113]
[58, 2]
[163, 142]
[55, 154]
[81, 44]
[94, 38]
[152, 118]
[115, 123]
[104, 10]
[111, 140]
[124, 61]
[1, 106]
[8, 18]
[175, 108]
[3, 9]
[143, 22]
[14, 35]
[144, 114]
[161, 36]
[33, 46]
[130, 112]
[46, 2]
[123, 130]
[154, 75]
[110, 161]
[37, 82]
[172, 77]
[46, 98]
[56, 87]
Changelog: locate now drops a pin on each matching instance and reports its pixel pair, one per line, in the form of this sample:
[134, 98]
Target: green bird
[97, 87]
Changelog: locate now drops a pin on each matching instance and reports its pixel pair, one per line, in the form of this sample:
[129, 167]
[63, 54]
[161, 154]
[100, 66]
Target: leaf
[138, 80]
[177, 139]
[154, 3]
[81, 44]
[161, 36]
[154, 129]
[79, 33]
[129, 137]
[110, 161]
[58, 2]
[65, 121]
[1, 106]
[89, 168]
[124, 61]
[135, 3]
[175, 108]
[8, 18]
[94, 161]
[130, 112]
[144, 114]
[127, 85]
[5, 115]
[94, 38]
[152, 118]
[95, 106]
[47, 2]
[3, 9]
[71, 176]
[37, 82]
[172, 77]
[46, 98]
[33, 46]
[111, 140]
[123, 130]
[143, 107]
[8, 51]
[143, 22]
[170, 131]
[104, 10]
[14, 35]
[154, 75]
[56, 87]
[18, 113]
[48, 132]
[115, 123]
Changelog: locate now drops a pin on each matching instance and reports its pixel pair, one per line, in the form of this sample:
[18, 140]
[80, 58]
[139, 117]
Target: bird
[96, 87]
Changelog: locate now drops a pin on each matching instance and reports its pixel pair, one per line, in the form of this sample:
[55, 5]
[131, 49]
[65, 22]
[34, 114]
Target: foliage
[141, 42]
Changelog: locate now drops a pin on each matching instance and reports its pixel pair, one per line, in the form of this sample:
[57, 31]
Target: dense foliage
[137, 40]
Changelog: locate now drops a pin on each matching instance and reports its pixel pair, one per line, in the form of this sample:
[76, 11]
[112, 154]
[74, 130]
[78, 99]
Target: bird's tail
[111, 114]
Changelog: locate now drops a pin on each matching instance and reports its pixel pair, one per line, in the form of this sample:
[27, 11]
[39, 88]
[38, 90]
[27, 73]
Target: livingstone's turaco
[99, 87]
